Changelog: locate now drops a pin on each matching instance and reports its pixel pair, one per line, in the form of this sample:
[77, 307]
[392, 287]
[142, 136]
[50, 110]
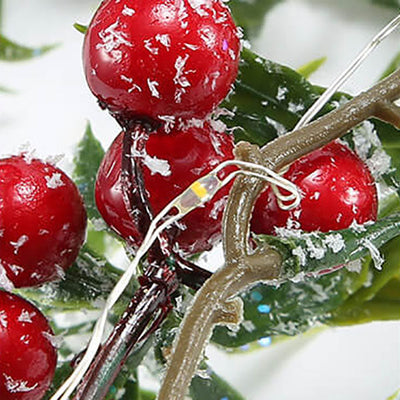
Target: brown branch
[242, 268]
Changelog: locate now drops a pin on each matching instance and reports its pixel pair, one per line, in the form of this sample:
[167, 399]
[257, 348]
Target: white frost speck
[335, 242]
[157, 166]
[299, 252]
[375, 254]
[128, 11]
[164, 39]
[19, 243]
[3, 319]
[153, 88]
[54, 181]
[26, 316]
[17, 385]
[5, 282]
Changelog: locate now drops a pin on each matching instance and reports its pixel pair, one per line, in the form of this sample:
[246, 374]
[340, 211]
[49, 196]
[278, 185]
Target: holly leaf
[12, 51]
[212, 387]
[299, 303]
[250, 14]
[88, 156]
[85, 285]
[267, 101]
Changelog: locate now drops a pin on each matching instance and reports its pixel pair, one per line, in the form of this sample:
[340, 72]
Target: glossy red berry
[158, 58]
[171, 163]
[42, 222]
[28, 357]
[337, 189]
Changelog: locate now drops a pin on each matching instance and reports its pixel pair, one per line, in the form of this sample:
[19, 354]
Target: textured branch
[242, 268]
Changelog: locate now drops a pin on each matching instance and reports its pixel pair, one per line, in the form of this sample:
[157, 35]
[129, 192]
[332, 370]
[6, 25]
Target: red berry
[159, 58]
[337, 189]
[42, 221]
[181, 157]
[27, 357]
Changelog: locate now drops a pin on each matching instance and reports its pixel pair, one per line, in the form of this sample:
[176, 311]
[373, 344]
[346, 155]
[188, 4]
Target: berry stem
[148, 308]
[244, 267]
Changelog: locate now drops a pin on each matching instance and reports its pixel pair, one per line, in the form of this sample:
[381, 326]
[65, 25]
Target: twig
[213, 303]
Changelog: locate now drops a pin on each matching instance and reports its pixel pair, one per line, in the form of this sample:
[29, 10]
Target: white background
[52, 104]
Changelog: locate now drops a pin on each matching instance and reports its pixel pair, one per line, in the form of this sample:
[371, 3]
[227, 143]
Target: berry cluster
[42, 227]
[168, 64]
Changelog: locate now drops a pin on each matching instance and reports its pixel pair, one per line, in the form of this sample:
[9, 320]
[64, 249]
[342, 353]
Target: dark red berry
[28, 357]
[171, 163]
[42, 221]
[158, 58]
[337, 189]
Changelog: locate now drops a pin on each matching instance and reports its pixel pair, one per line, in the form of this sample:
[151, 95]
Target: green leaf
[380, 299]
[390, 138]
[387, 3]
[89, 279]
[80, 28]
[212, 388]
[295, 306]
[87, 161]
[4, 89]
[395, 396]
[393, 66]
[250, 14]
[11, 51]
[146, 395]
[267, 101]
[308, 69]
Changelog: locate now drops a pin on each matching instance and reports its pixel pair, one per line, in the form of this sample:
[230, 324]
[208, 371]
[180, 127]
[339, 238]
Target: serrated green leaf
[294, 307]
[80, 28]
[308, 69]
[212, 388]
[250, 14]
[12, 51]
[88, 156]
[267, 101]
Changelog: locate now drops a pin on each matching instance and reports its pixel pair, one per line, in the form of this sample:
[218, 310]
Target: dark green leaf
[90, 278]
[387, 3]
[11, 51]
[380, 299]
[146, 395]
[87, 161]
[212, 388]
[295, 306]
[80, 28]
[250, 14]
[308, 69]
[267, 101]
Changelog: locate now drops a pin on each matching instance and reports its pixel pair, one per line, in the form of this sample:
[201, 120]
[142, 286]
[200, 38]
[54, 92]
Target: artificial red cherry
[158, 58]
[337, 189]
[42, 222]
[28, 357]
[171, 163]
